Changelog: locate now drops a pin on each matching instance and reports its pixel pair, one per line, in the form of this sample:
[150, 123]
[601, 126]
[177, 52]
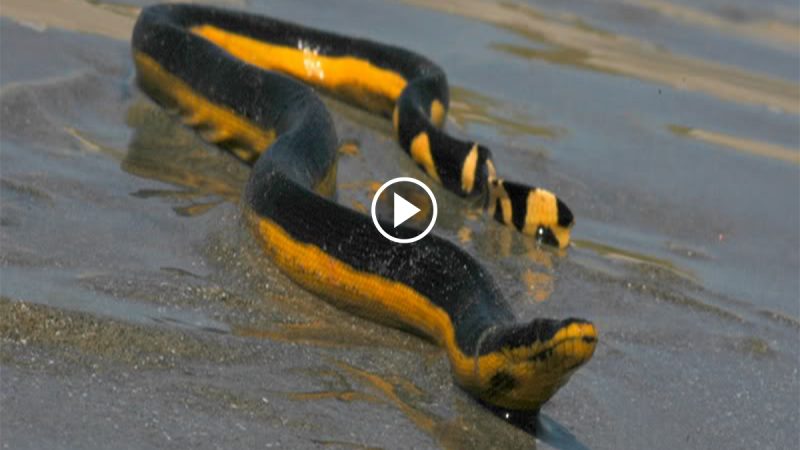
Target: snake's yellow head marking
[421, 154]
[548, 218]
[438, 112]
[534, 211]
[521, 367]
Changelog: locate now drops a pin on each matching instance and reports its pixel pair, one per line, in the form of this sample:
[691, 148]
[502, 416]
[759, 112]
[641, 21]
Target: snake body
[243, 81]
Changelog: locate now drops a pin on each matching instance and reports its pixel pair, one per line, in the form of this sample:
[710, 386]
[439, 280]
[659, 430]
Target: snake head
[546, 227]
[547, 218]
[520, 367]
[533, 211]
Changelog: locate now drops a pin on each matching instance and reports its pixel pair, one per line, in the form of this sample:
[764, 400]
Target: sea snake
[245, 82]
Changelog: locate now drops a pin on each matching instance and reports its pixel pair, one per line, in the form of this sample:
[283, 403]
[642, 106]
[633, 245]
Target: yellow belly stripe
[396, 121]
[371, 295]
[499, 193]
[437, 113]
[421, 153]
[491, 172]
[468, 170]
[304, 63]
[200, 111]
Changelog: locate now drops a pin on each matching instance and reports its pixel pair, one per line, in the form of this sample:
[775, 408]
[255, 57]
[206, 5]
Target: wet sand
[137, 310]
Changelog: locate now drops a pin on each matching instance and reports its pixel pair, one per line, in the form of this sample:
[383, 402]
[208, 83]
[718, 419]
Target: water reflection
[465, 430]
[532, 263]
[469, 108]
[569, 41]
[612, 252]
[767, 30]
[741, 144]
[161, 149]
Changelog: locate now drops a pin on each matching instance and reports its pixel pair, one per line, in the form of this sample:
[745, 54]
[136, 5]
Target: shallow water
[131, 291]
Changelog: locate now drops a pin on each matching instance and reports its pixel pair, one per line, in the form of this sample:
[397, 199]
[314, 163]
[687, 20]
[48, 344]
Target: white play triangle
[403, 210]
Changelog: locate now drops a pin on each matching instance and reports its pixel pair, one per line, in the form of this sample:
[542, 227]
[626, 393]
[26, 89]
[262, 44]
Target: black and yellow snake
[235, 77]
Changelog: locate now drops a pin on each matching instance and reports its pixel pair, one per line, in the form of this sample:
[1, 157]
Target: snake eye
[545, 236]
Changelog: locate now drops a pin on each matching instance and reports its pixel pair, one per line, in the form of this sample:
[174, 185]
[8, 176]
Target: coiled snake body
[235, 77]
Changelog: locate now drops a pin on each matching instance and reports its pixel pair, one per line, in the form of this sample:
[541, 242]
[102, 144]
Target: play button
[413, 206]
[403, 210]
